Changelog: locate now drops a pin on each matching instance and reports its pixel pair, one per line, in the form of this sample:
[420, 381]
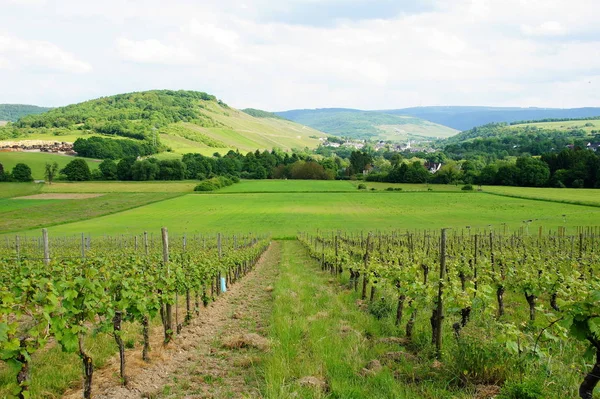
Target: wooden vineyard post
[82, 247]
[366, 257]
[220, 249]
[168, 312]
[46, 246]
[440, 306]
[475, 253]
[338, 265]
[18, 248]
[146, 243]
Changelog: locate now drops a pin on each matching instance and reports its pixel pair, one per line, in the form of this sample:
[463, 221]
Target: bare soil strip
[214, 357]
[59, 196]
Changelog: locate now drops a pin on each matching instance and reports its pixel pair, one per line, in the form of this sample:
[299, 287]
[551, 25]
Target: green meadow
[37, 161]
[284, 214]
[285, 207]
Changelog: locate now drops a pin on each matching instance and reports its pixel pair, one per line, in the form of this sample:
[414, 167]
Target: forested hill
[536, 138]
[12, 112]
[128, 115]
[183, 121]
[464, 118]
[370, 125]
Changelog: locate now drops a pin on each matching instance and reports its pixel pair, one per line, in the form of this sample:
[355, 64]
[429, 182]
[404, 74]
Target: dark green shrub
[362, 186]
[389, 189]
[467, 187]
[108, 169]
[224, 181]
[21, 173]
[77, 170]
[214, 184]
[206, 185]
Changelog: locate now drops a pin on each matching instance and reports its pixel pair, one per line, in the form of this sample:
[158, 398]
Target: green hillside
[12, 112]
[259, 113]
[180, 121]
[591, 126]
[372, 125]
[533, 138]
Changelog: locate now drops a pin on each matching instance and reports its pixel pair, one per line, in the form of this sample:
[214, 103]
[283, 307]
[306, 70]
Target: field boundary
[334, 192]
[523, 197]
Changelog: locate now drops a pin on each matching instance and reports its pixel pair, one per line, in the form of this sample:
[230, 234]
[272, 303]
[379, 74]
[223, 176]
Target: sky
[287, 54]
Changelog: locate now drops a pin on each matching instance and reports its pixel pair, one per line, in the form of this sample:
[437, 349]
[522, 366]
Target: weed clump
[380, 309]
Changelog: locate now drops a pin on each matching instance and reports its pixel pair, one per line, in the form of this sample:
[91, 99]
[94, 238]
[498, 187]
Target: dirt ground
[58, 196]
[214, 357]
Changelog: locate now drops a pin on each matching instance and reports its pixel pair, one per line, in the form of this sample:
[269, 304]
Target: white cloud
[153, 51]
[21, 53]
[549, 28]
[509, 52]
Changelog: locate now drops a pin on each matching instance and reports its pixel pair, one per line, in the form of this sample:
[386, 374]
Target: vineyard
[482, 304]
[65, 290]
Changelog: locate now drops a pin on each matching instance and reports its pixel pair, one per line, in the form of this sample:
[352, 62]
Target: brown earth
[216, 356]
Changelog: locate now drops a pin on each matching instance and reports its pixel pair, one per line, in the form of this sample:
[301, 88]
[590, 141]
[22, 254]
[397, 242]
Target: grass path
[323, 344]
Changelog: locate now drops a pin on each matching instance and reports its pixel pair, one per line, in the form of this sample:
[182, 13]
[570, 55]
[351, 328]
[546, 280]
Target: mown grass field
[284, 207]
[25, 214]
[407, 187]
[37, 161]
[284, 214]
[122, 187]
[9, 190]
[275, 186]
[574, 196]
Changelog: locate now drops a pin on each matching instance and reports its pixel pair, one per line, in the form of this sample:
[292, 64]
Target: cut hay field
[37, 161]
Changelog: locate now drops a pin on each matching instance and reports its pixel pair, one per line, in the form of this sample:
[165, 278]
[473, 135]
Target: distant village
[379, 146]
[54, 147]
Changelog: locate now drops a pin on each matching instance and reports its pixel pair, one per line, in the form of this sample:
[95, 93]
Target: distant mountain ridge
[12, 112]
[372, 125]
[460, 118]
[468, 117]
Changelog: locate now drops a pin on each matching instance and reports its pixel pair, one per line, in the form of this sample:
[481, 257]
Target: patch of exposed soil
[214, 357]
